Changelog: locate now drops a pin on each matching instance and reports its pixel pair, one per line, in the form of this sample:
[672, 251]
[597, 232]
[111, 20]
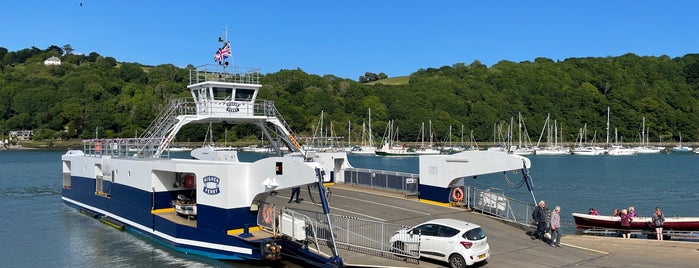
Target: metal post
[326, 210]
[527, 179]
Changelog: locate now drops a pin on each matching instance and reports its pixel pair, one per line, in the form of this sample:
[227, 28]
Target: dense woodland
[92, 95]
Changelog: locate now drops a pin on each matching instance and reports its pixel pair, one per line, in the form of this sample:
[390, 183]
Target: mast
[607, 145]
[371, 139]
[349, 132]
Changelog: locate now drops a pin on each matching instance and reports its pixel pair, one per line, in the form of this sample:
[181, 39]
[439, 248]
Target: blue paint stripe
[135, 205]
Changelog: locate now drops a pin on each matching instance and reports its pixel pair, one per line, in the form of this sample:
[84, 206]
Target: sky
[349, 38]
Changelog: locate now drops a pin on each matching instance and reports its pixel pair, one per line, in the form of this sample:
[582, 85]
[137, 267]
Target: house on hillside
[21, 135]
[52, 61]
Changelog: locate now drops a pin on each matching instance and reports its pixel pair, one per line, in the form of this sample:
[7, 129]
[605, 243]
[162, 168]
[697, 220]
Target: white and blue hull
[178, 240]
[136, 189]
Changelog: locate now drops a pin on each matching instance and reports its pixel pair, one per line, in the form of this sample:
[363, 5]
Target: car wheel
[457, 261]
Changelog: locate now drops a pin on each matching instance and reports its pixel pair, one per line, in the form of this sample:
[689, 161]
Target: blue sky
[349, 38]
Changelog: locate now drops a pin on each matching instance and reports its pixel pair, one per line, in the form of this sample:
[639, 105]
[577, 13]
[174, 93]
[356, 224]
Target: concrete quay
[510, 244]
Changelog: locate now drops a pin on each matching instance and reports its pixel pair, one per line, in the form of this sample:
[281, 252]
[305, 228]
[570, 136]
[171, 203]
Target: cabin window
[222, 93]
[99, 181]
[278, 168]
[66, 175]
[242, 94]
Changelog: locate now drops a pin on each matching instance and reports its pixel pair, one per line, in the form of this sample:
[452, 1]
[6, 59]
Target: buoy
[457, 194]
[267, 214]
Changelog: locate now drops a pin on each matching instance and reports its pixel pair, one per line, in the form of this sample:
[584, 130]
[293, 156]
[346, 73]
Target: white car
[457, 242]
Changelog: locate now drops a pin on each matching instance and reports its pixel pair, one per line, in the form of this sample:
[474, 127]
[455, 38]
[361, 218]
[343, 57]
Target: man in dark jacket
[539, 217]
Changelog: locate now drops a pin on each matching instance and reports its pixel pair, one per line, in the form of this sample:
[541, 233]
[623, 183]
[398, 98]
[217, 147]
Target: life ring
[457, 194]
[267, 214]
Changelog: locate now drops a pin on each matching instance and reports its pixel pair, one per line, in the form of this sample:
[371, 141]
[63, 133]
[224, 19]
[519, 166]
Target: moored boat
[588, 150]
[619, 150]
[587, 221]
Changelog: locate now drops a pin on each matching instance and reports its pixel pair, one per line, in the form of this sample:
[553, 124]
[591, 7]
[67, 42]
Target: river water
[39, 231]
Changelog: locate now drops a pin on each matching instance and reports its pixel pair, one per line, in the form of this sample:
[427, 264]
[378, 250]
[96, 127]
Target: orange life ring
[457, 194]
[267, 214]
[98, 147]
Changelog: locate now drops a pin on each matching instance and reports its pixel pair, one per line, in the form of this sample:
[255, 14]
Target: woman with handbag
[555, 228]
[658, 221]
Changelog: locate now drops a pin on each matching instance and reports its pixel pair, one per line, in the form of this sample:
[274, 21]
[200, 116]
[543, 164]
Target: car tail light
[466, 244]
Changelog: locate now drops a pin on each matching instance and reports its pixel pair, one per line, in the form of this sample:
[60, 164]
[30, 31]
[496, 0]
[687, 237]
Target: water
[38, 230]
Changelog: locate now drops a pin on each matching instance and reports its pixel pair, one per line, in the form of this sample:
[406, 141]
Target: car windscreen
[474, 234]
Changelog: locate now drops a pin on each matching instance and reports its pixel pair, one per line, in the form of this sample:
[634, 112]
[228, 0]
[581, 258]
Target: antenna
[224, 39]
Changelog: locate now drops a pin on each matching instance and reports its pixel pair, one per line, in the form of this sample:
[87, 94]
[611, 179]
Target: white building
[22, 135]
[52, 61]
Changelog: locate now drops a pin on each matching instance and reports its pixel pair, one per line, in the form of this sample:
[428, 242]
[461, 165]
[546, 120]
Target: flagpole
[224, 41]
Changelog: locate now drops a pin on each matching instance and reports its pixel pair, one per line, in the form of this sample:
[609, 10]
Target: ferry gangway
[363, 236]
[494, 202]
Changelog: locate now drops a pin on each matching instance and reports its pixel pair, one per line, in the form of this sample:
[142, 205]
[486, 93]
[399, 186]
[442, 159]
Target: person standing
[632, 212]
[658, 221]
[555, 227]
[539, 217]
[295, 192]
[625, 224]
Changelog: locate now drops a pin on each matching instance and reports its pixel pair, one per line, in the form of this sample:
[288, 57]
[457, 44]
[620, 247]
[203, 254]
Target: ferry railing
[299, 227]
[224, 73]
[117, 148]
[494, 202]
[406, 183]
[362, 236]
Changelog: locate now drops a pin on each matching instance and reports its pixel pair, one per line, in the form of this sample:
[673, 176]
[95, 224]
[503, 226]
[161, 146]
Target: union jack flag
[223, 53]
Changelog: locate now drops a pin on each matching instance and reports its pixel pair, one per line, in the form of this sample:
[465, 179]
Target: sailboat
[497, 133]
[644, 147]
[524, 147]
[387, 145]
[616, 149]
[426, 149]
[582, 148]
[367, 147]
[681, 149]
[552, 147]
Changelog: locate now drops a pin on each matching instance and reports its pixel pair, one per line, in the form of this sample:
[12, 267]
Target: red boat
[586, 221]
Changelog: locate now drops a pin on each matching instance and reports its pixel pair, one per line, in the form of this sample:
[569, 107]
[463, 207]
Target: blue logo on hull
[211, 185]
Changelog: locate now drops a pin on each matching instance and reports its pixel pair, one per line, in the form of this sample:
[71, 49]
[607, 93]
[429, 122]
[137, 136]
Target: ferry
[212, 205]
[215, 205]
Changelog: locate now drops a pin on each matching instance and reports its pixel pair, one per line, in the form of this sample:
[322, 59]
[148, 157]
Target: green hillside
[94, 93]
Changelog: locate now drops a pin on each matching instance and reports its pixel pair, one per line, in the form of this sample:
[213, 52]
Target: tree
[55, 49]
[68, 49]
